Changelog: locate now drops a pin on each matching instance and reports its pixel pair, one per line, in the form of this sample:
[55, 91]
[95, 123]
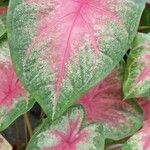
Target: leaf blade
[70, 136]
[14, 99]
[104, 104]
[137, 73]
[54, 66]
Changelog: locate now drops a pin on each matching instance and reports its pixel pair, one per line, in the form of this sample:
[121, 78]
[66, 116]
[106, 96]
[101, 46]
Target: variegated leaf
[3, 11]
[104, 104]
[64, 47]
[14, 99]
[68, 133]
[137, 76]
[141, 140]
[145, 105]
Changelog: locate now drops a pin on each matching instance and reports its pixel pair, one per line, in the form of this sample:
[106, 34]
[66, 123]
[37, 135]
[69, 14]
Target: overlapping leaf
[145, 105]
[137, 78]
[64, 47]
[104, 104]
[141, 140]
[14, 100]
[4, 145]
[68, 133]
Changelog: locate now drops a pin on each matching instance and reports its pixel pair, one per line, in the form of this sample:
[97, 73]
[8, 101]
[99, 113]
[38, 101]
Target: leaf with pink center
[68, 133]
[140, 140]
[137, 76]
[104, 104]
[64, 47]
[14, 99]
[4, 145]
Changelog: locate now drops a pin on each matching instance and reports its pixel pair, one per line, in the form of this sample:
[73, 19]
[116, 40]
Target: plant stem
[17, 136]
[27, 121]
[25, 131]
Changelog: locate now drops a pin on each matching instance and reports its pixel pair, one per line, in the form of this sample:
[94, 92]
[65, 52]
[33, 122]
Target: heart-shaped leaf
[64, 47]
[104, 104]
[141, 140]
[4, 145]
[137, 76]
[14, 100]
[68, 133]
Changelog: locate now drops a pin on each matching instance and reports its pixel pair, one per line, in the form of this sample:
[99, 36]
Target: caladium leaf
[4, 145]
[3, 11]
[104, 104]
[141, 140]
[145, 105]
[137, 76]
[68, 133]
[64, 47]
[14, 100]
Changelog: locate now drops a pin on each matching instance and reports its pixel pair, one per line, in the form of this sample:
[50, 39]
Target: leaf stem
[27, 121]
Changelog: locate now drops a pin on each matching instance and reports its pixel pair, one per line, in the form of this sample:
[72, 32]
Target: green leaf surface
[137, 76]
[68, 133]
[104, 104]
[63, 48]
[14, 99]
[2, 22]
[140, 140]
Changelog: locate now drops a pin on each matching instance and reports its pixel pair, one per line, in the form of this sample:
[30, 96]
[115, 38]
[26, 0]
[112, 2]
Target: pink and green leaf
[63, 45]
[104, 104]
[68, 133]
[145, 105]
[4, 145]
[14, 99]
[141, 140]
[137, 76]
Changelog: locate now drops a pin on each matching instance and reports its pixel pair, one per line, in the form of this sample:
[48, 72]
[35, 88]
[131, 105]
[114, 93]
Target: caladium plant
[71, 45]
[104, 104]
[68, 133]
[137, 82]
[14, 99]
[141, 140]
[68, 56]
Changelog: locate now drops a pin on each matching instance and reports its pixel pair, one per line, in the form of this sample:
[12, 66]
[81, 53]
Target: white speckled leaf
[3, 11]
[141, 140]
[14, 100]
[137, 76]
[64, 47]
[4, 145]
[68, 133]
[104, 104]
